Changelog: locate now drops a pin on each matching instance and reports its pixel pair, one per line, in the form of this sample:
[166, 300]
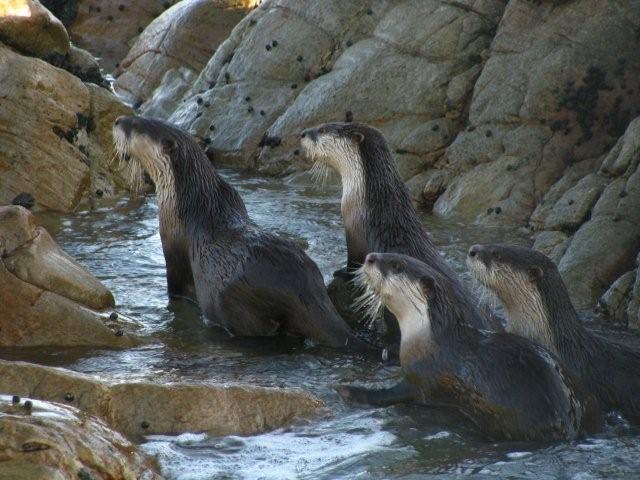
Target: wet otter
[248, 281]
[508, 386]
[538, 307]
[377, 210]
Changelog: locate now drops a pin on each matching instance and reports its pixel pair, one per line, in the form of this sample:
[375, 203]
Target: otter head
[415, 293]
[348, 148]
[156, 147]
[520, 277]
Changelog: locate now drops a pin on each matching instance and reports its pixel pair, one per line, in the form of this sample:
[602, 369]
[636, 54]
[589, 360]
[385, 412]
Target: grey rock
[551, 243]
[168, 95]
[576, 203]
[598, 253]
[615, 300]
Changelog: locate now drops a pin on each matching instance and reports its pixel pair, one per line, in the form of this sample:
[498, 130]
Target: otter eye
[395, 267]
[495, 254]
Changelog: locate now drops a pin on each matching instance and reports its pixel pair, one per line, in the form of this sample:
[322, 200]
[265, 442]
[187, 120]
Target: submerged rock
[53, 441]
[144, 408]
[46, 297]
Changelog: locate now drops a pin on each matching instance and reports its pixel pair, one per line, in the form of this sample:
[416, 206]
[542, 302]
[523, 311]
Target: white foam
[276, 455]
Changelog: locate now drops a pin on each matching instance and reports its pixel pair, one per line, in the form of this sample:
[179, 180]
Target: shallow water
[119, 242]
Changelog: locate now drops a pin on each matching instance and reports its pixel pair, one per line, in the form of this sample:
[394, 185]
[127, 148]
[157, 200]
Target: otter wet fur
[538, 307]
[377, 210]
[246, 280]
[509, 387]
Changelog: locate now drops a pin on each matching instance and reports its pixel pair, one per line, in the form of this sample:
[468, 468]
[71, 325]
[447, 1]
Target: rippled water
[120, 243]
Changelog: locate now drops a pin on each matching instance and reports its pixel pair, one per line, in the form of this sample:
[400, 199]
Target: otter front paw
[343, 273]
[351, 394]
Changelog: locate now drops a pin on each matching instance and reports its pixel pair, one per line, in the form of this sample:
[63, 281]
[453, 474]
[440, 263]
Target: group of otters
[539, 374]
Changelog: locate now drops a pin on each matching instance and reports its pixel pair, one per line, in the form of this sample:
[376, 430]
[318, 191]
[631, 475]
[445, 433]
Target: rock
[615, 300]
[332, 62]
[54, 441]
[49, 144]
[606, 245]
[137, 409]
[80, 63]
[552, 244]
[168, 95]
[572, 208]
[46, 297]
[625, 154]
[32, 29]
[598, 253]
[633, 308]
[107, 28]
[571, 175]
[64, 10]
[571, 107]
[184, 36]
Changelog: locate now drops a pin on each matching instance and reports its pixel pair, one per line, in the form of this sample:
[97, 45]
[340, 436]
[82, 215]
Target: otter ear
[535, 273]
[428, 285]
[168, 145]
[358, 137]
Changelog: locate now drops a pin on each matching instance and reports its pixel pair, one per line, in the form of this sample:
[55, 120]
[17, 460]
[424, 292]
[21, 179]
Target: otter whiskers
[368, 300]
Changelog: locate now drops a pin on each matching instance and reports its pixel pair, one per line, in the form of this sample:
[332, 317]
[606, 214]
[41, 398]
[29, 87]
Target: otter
[377, 210]
[509, 387]
[538, 307]
[246, 280]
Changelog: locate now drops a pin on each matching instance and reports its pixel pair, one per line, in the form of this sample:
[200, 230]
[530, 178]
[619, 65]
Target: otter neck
[540, 315]
[566, 329]
[354, 216]
[416, 333]
[203, 199]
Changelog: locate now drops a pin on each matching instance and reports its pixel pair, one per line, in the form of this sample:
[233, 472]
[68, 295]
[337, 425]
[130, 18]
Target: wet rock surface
[144, 408]
[46, 440]
[47, 298]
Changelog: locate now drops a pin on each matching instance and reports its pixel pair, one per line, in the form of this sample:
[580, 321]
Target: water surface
[119, 242]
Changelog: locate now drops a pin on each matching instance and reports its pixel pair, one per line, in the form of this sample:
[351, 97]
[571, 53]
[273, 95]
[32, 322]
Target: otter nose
[310, 133]
[370, 259]
[475, 250]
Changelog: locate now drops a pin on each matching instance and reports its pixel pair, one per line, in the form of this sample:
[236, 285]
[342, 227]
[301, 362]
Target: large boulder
[49, 144]
[44, 440]
[184, 36]
[558, 88]
[107, 29]
[46, 297]
[606, 245]
[144, 408]
[407, 67]
[30, 28]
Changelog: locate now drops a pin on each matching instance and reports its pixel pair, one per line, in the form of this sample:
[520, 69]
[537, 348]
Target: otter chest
[354, 219]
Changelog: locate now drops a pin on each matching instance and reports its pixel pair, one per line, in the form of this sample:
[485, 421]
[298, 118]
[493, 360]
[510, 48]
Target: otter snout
[370, 259]
[479, 253]
[310, 134]
[124, 124]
